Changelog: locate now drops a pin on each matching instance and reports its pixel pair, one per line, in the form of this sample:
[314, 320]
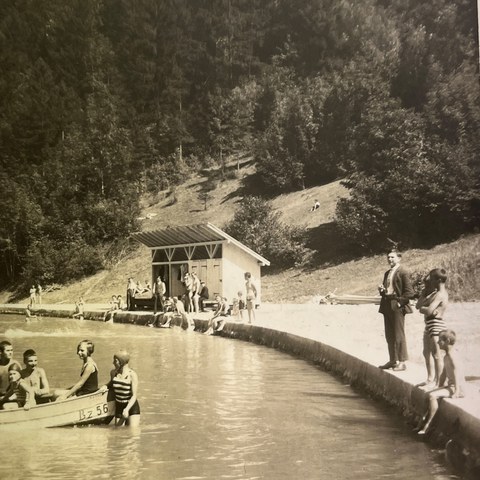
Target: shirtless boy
[35, 376]
[451, 382]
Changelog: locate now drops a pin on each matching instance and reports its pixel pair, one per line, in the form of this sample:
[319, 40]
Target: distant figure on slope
[315, 206]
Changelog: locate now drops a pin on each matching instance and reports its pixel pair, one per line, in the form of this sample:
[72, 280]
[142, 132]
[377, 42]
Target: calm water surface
[212, 408]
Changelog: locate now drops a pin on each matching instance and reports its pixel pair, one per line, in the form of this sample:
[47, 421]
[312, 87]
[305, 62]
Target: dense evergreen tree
[103, 99]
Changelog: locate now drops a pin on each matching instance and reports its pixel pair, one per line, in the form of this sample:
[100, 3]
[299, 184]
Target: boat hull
[93, 408]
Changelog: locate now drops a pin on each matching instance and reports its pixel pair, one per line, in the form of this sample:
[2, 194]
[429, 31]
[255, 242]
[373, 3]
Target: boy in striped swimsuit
[432, 303]
[124, 383]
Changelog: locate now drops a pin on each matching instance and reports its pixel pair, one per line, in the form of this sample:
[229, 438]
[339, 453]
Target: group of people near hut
[168, 309]
[444, 375]
[25, 387]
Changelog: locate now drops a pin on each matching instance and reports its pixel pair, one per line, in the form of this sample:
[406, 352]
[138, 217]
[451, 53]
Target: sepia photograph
[240, 239]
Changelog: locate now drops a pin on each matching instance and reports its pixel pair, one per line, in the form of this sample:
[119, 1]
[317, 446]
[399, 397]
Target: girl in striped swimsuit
[432, 303]
[124, 383]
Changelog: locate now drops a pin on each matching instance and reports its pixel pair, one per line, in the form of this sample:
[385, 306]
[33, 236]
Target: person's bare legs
[433, 398]
[437, 358]
[427, 355]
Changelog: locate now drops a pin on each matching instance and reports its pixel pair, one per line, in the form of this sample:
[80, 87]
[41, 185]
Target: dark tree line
[102, 100]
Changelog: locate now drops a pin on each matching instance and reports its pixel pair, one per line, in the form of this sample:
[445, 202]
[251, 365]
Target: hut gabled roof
[191, 235]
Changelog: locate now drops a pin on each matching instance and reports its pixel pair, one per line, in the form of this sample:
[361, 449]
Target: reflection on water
[212, 408]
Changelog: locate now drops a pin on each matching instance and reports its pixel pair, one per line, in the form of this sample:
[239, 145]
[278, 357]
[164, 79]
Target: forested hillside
[105, 101]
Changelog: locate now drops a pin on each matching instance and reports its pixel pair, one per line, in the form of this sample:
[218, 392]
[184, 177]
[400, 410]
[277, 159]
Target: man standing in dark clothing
[396, 292]
[203, 295]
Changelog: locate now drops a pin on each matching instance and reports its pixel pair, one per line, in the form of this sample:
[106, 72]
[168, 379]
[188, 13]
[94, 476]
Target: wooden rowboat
[92, 408]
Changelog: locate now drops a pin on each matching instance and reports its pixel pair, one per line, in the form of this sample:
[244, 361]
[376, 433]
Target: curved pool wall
[456, 426]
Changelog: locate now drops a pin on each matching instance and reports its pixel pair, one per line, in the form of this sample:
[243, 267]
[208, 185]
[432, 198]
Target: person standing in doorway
[396, 292]
[159, 290]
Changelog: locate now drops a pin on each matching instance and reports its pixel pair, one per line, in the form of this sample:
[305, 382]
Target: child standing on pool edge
[251, 292]
[124, 383]
[432, 303]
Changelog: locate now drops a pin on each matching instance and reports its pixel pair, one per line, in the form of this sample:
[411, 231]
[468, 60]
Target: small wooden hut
[218, 259]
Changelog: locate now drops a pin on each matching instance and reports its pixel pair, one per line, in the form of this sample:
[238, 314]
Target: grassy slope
[356, 276]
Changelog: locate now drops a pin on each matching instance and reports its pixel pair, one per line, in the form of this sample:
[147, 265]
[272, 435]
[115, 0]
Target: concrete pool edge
[456, 426]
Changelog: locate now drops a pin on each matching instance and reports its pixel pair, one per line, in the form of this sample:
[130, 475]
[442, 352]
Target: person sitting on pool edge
[124, 384]
[451, 382]
[217, 322]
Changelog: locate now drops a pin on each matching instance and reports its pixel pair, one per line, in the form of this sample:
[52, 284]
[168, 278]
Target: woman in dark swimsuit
[88, 382]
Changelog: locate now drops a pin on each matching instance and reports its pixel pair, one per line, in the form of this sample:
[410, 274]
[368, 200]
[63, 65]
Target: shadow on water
[331, 395]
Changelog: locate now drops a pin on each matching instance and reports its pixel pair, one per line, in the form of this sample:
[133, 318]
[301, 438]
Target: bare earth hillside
[186, 206]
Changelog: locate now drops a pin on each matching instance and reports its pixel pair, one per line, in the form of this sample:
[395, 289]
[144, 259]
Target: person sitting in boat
[88, 382]
[124, 383]
[35, 376]
[19, 393]
[6, 359]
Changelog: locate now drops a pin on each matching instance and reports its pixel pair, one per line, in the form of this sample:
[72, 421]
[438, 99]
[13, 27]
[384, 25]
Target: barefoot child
[124, 383]
[18, 390]
[451, 374]
[432, 303]
[35, 377]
